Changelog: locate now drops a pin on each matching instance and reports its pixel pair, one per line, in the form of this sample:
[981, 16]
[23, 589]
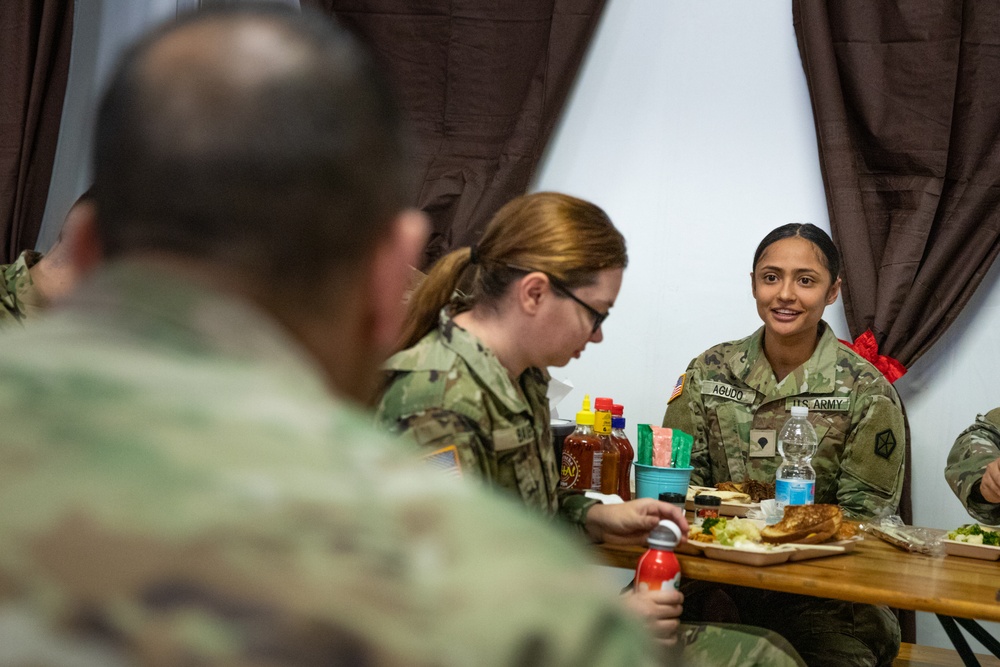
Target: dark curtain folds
[35, 39]
[904, 99]
[482, 84]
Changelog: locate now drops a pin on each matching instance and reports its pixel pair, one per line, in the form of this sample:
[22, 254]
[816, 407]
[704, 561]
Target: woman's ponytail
[434, 292]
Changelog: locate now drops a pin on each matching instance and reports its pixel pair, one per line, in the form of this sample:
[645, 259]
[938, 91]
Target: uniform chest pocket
[729, 459]
[520, 468]
[826, 462]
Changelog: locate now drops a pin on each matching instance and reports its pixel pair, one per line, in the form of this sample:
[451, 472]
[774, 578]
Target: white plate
[981, 551]
[807, 551]
[779, 553]
[773, 556]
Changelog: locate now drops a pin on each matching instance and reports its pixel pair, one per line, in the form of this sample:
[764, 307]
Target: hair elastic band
[473, 254]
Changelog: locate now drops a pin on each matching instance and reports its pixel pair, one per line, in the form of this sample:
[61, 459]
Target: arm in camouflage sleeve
[977, 447]
[871, 466]
[437, 428]
[573, 506]
[687, 413]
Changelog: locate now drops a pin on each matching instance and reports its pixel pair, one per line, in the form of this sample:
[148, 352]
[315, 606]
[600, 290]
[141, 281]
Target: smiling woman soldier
[735, 397]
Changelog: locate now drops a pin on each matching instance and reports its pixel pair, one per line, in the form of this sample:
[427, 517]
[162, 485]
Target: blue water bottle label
[795, 491]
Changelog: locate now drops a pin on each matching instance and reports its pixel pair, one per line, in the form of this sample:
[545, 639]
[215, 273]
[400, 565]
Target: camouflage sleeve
[687, 413]
[871, 479]
[437, 429]
[975, 448]
[573, 506]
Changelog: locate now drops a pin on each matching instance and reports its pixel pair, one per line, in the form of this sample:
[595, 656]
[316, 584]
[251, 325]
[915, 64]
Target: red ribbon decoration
[866, 346]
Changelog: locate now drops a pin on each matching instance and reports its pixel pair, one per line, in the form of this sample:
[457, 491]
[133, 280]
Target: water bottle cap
[800, 411]
[666, 535]
[603, 404]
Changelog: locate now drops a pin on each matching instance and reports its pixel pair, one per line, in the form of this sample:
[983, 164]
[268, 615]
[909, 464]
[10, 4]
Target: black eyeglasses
[561, 287]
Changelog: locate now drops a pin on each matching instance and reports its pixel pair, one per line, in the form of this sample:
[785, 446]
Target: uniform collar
[484, 364]
[172, 309]
[816, 376]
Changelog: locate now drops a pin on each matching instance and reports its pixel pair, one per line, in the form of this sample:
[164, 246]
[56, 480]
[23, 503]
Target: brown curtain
[35, 39]
[482, 84]
[904, 95]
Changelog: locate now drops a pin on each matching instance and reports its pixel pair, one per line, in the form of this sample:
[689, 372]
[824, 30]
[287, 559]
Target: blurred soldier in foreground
[184, 478]
[973, 469]
[34, 281]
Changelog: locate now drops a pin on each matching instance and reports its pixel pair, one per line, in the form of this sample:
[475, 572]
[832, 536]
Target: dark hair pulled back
[809, 232]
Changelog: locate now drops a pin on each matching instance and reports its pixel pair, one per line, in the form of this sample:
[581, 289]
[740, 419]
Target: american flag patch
[445, 460]
[678, 388]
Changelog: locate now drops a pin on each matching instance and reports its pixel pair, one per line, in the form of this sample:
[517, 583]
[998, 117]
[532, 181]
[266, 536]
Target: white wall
[691, 125]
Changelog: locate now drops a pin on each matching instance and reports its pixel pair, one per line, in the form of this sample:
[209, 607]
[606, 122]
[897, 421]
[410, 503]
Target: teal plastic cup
[651, 481]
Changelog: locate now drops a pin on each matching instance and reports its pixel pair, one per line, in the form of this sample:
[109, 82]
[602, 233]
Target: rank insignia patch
[885, 443]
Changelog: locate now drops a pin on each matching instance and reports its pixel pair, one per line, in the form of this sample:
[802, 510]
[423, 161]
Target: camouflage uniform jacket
[734, 407]
[17, 292]
[178, 486]
[975, 448]
[450, 390]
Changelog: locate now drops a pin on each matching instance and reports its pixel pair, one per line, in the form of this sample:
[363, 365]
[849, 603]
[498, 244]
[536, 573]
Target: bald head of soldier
[261, 151]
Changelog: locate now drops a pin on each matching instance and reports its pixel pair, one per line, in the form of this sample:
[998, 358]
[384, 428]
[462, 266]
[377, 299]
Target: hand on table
[630, 523]
[990, 486]
[661, 610]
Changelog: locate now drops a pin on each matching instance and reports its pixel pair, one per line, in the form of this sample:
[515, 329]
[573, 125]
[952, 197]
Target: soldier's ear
[753, 286]
[531, 289]
[833, 293]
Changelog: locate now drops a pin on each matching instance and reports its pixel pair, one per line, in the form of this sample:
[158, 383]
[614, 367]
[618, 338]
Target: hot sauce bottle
[626, 454]
[607, 480]
[579, 450]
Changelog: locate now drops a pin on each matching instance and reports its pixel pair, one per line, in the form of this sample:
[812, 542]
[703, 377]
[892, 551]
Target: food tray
[981, 551]
[780, 553]
[807, 551]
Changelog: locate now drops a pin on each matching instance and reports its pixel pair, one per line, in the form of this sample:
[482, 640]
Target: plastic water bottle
[795, 482]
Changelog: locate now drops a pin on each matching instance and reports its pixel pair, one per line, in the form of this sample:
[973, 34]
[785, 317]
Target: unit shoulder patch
[885, 443]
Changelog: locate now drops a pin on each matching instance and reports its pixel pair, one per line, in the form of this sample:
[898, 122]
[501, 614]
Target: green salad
[973, 533]
[732, 532]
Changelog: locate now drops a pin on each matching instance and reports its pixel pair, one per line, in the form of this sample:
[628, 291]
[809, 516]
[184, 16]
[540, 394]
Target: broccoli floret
[710, 522]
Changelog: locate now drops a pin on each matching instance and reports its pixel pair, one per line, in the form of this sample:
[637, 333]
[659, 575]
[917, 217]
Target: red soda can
[658, 567]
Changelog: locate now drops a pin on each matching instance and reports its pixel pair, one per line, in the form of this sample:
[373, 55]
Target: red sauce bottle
[579, 449]
[625, 451]
[607, 482]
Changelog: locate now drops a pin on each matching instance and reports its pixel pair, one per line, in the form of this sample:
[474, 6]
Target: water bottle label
[795, 492]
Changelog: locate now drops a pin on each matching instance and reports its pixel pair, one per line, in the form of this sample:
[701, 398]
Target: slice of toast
[804, 524]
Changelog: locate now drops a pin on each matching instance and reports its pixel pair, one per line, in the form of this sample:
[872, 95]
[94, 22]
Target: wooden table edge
[786, 578]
